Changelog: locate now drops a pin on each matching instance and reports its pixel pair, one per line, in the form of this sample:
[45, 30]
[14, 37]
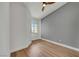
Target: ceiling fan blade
[43, 8]
[50, 2]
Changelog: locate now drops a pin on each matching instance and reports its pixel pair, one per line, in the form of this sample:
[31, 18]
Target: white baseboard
[34, 39]
[69, 47]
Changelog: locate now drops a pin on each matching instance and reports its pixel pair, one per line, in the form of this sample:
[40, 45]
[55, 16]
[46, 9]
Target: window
[34, 26]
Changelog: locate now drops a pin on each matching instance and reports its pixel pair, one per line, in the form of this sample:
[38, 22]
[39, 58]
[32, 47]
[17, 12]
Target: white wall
[20, 26]
[15, 27]
[4, 29]
[63, 25]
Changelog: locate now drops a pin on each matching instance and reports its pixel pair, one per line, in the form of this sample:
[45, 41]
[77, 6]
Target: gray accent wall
[62, 25]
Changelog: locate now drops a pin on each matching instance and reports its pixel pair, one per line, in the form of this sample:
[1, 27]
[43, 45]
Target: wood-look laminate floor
[41, 48]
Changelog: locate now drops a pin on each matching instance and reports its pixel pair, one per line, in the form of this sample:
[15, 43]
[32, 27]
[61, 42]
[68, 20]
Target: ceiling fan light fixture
[46, 3]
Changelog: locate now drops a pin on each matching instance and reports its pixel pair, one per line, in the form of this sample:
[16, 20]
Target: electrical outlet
[60, 40]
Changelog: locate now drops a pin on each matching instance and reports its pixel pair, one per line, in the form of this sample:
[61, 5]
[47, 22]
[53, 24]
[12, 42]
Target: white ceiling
[35, 8]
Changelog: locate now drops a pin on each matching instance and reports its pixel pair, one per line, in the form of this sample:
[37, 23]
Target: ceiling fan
[46, 3]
